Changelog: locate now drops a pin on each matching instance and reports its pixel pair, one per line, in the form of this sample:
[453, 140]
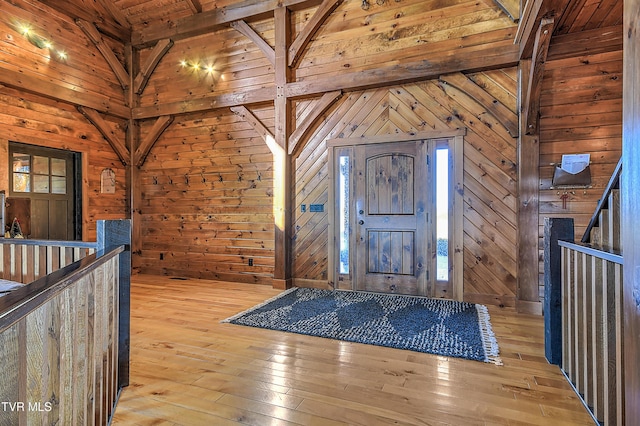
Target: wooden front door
[391, 202]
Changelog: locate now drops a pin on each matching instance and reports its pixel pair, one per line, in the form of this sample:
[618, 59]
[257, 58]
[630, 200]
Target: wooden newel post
[555, 229]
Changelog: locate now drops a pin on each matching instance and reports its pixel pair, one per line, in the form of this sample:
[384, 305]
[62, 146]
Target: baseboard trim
[282, 284]
[527, 307]
[307, 283]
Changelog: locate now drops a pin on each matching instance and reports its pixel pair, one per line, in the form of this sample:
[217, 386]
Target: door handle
[361, 222]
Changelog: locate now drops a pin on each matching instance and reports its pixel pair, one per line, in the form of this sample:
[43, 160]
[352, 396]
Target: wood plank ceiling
[121, 18]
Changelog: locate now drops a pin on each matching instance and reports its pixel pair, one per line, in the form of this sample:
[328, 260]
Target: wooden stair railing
[64, 337]
[592, 326]
[603, 229]
[584, 315]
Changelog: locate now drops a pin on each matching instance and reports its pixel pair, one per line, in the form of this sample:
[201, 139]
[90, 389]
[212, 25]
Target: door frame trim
[457, 191]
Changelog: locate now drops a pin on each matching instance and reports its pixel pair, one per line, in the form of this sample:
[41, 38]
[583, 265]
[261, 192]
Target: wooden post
[281, 158]
[630, 181]
[134, 195]
[554, 229]
[527, 297]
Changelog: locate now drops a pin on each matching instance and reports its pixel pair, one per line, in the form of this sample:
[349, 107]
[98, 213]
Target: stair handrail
[603, 203]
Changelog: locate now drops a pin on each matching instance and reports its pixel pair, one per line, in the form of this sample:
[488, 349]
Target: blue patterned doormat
[436, 326]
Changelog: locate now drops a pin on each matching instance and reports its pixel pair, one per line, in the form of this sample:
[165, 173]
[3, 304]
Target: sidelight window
[343, 189]
[442, 214]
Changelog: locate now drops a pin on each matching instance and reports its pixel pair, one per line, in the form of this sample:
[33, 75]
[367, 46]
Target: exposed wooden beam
[195, 6]
[310, 29]
[256, 96]
[152, 137]
[212, 20]
[57, 92]
[510, 7]
[311, 119]
[534, 11]
[529, 18]
[244, 28]
[160, 49]
[94, 35]
[96, 119]
[534, 88]
[116, 13]
[257, 125]
[470, 59]
[504, 115]
[106, 26]
[282, 168]
[528, 299]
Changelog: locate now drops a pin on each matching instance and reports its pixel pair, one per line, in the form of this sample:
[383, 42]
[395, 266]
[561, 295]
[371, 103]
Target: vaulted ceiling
[127, 20]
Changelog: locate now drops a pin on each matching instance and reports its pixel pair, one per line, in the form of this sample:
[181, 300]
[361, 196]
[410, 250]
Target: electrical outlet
[303, 208]
[250, 262]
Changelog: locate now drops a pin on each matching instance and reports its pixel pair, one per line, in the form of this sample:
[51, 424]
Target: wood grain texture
[209, 208]
[592, 324]
[54, 356]
[189, 368]
[26, 263]
[28, 64]
[57, 125]
[630, 157]
[489, 181]
[578, 117]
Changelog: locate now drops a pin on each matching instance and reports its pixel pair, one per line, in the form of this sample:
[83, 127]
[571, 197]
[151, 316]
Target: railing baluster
[566, 329]
[596, 338]
[592, 328]
[617, 284]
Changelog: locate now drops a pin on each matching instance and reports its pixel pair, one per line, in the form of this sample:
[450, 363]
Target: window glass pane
[21, 182]
[58, 167]
[442, 214]
[41, 183]
[58, 185]
[40, 166]
[21, 162]
[343, 189]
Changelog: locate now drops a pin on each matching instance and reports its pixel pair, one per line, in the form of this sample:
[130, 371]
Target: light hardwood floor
[189, 369]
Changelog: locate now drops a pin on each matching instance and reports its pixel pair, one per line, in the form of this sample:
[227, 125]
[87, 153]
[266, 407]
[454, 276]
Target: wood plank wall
[580, 112]
[208, 200]
[27, 55]
[489, 178]
[238, 65]
[41, 121]
[196, 225]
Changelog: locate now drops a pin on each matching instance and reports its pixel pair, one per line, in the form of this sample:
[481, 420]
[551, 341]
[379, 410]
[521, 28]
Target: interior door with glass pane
[46, 177]
[392, 207]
